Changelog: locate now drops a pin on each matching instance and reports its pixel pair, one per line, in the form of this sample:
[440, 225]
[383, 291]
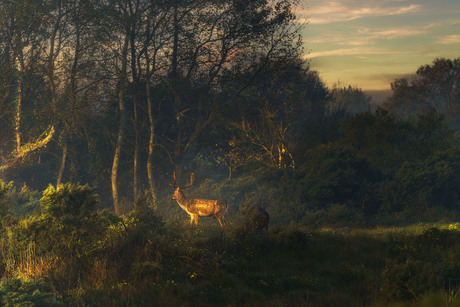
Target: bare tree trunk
[177, 101]
[135, 120]
[53, 96]
[136, 153]
[73, 101]
[121, 128]
[63, 160]
[17, 126]
[178, 141]
[152, 133]
[17, 119]
[151, 146]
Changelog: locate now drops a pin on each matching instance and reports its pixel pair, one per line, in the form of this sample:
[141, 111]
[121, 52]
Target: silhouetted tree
[436, 85]
[352, 99]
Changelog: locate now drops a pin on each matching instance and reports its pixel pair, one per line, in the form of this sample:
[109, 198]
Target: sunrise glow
[370, 43]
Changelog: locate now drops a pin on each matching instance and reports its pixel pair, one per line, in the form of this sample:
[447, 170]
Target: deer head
[178, 190]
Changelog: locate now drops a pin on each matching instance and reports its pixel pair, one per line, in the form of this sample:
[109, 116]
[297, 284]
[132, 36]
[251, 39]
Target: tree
[268, 119]
[23, 36]
[334, 175]
[423, 184]
[352, 99]
[155, 38]
[387, 141]
[436, 85]
[237, 38]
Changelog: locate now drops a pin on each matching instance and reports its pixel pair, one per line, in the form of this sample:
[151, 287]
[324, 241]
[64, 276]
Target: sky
[370, 43]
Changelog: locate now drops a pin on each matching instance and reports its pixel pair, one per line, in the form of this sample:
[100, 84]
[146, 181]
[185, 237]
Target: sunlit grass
[384, 231]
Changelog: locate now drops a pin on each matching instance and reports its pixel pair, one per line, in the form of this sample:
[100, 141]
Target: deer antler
[192, 179]
[175, 182]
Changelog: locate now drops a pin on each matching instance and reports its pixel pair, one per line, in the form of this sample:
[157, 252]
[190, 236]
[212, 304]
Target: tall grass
[142, 260]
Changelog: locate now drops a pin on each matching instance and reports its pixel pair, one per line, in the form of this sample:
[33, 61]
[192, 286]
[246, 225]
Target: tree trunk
[135, 114]
[151, 146]
[121, 128]
[177, 100]
[136, 153]
[17, 119]
[178, 141]
[63, 160]
[152, 134]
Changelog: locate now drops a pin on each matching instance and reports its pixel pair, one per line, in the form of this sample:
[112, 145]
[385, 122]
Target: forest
[105, 104]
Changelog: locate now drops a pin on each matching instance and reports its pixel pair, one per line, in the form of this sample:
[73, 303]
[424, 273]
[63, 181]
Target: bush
[23, 202]
[292, 237]
[434, 182]
[17, 292]
[63, 240]
[334, 175]
[5, 207]
[409, 280]
[255, 218]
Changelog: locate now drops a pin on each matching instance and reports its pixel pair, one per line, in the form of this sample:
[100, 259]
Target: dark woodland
[286, 192]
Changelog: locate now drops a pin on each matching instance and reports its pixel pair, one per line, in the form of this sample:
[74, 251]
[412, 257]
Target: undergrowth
[70, 254]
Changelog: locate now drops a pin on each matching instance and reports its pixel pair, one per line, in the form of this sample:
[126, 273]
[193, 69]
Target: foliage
[68, 229]
[334, 175]
[431, 183]
[351, 99]
[17, 292]
[433, 86]
[255, 218]
[17, 202]
[5, 207]
[107, 260]
[265, 125]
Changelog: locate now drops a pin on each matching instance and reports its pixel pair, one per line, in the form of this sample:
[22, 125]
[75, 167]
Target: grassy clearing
[178, 265]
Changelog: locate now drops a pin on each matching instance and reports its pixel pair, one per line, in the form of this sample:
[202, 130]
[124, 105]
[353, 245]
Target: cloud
[450, 40]
[333, 11]
[390, 33]
[364, 36]
[357, 51]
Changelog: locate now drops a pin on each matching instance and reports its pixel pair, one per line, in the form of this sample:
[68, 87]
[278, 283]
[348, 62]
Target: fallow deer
[199, 207]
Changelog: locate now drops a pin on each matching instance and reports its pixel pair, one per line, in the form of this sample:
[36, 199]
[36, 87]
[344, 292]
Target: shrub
[335, 175]
[17, 292]
[5, 207]
[255, 218]
[409, 280]
[63, 240]
[292, 237]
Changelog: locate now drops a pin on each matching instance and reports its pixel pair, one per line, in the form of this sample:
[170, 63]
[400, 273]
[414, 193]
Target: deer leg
[194, 219]
[221, 221]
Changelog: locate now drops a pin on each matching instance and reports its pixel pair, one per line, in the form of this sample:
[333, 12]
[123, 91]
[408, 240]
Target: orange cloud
[450, 40]
[335, 11]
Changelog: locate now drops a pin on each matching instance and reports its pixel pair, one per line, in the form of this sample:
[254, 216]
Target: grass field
[416, 265]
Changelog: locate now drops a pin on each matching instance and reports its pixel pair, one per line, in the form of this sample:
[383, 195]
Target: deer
[199, 207]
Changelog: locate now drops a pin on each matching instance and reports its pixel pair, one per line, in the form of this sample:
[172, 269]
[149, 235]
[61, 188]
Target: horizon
[369, 44]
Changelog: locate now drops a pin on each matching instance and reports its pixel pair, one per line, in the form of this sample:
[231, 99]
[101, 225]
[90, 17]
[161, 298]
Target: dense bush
[17, 292]
[62, 240]
[334, 175]
[425, 186]
[255, 218]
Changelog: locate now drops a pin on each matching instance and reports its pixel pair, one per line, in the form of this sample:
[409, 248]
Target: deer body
[200, 207]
